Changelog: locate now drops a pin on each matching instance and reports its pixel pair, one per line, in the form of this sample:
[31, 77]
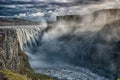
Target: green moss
[10, 75]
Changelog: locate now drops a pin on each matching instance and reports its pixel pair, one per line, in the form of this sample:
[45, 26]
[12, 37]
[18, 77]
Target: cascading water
[61, 50]
[28, 37]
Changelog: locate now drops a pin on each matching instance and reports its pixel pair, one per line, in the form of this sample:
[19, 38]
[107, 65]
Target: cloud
[37, 14]
[22, 15]
[85, 9]
[64, 1]
[32, 9]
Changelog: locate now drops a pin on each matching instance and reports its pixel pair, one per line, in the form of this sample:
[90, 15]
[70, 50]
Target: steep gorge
[14, 63]
[90, 41]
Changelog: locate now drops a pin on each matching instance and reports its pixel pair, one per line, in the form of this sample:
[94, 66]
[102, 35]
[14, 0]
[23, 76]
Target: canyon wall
[11, 56]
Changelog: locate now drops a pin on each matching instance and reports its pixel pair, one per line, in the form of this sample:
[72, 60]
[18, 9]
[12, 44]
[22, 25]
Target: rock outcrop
[9, 52]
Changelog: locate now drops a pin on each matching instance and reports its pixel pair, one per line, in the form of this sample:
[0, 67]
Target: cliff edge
[13, 61]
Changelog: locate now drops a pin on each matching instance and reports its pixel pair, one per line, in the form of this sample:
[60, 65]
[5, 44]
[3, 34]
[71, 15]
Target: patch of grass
[10, 75]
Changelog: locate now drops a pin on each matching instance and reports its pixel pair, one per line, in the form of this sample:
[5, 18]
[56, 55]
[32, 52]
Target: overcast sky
[49, 9]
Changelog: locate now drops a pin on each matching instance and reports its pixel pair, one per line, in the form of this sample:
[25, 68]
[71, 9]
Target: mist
[90, 41]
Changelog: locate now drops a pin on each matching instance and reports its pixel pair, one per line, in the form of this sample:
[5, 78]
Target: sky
[49, 9]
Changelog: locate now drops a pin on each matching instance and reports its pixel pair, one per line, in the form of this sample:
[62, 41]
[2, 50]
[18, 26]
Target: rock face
[10, 55]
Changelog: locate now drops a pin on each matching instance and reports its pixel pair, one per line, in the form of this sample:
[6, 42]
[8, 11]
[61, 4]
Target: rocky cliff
[13, 61]
[9, 52]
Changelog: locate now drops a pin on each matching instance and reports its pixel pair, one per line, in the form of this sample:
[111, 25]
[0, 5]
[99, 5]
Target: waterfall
[27, 37]
[30, 37]
[89, 41]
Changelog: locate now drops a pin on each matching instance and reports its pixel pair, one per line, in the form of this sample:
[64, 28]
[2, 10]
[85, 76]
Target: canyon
[75, 47]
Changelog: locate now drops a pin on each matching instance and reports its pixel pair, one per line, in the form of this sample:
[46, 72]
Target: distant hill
[16, 21]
